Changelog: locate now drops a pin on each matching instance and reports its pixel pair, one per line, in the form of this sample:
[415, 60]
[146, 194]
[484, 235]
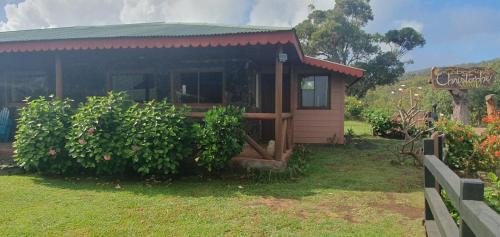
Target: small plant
[220, 137]
[157, 138]
[96, 137]
[492, 192]
[349, 137]
[297, 165]
[40, 136]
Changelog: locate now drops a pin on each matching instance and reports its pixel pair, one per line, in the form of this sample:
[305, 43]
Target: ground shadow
[331, 167]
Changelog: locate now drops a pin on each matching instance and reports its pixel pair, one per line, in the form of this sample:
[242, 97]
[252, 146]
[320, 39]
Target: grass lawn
[347, 192]
[359, 127]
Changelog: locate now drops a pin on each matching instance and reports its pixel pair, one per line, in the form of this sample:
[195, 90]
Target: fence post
[470, 189]
[429, 180]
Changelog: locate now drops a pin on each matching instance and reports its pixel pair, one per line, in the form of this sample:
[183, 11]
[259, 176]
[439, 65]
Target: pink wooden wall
[317, 126]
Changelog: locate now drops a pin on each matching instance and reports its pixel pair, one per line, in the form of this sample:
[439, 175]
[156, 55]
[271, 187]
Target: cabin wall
[320, 126]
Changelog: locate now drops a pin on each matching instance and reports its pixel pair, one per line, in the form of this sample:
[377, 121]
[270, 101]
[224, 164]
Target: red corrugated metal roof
[335, 67]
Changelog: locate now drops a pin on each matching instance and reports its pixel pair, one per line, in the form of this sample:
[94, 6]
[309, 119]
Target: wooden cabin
[289, 97]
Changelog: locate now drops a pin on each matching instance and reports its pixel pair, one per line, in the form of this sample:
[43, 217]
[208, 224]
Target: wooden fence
[476, 218]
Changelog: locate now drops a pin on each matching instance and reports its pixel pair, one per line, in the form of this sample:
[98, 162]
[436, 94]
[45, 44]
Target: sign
[462, 78]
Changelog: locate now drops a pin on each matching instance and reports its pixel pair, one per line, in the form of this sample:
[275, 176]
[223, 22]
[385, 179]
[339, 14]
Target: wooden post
[59, 77]
[278, 106]
[460, 106]
[429, 180]
[491, 108]
[470, 189]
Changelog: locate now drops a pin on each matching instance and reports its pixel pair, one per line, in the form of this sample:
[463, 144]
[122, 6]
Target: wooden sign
[462, 78]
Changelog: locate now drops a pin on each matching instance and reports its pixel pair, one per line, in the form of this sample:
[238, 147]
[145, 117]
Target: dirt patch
[365, 145]
[275, 204]
[343, 168]
[327, 209]
[403, 209]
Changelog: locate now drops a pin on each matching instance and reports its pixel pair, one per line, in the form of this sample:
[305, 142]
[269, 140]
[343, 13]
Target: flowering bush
[488, 147]
[459, 144]
[96, 137]
[219, 137]
[157, 137]
[40, 136]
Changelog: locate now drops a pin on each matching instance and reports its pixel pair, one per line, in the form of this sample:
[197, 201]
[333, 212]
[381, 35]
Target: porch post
[278, 106]
[59, 82]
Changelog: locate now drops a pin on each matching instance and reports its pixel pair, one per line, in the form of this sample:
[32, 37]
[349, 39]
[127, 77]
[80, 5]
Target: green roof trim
[141, 30]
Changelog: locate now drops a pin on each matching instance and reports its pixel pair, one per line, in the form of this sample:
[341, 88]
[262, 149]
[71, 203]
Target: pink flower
[82, 142]
[90, 131]
[107, 157]
[52, 152]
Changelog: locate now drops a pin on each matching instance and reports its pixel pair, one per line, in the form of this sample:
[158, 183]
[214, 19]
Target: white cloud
[51, 13]
[284, 12]
[32, 14]
[210, 11]
[418, 26]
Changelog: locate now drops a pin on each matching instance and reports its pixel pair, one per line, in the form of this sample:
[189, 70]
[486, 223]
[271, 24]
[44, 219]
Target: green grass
[359, 127]
[346, 192]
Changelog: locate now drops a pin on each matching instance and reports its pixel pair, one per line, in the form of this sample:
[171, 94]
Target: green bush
[219, 137]
[157, 138]
[40, 136]
[353, 107]
[96, 139]
[379, 120]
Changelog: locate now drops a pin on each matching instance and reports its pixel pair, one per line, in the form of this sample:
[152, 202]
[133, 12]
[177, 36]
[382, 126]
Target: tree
[338, 35]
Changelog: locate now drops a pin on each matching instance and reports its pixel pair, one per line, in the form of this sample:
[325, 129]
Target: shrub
[157, 138]
[487, 148]
[492, 192]
[379, 120]
[96, 138]
[219, 137]
[40, 136]
[459, 144]
[353, 107]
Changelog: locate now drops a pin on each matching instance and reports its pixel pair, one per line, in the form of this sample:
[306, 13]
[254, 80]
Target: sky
[457, 31]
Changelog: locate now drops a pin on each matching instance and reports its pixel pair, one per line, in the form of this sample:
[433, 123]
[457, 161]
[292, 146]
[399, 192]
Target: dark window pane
[211, 87]
[135, 85]
[24, 85]
[321, 91]
[189, 88]
[163, 88]
[307, 90]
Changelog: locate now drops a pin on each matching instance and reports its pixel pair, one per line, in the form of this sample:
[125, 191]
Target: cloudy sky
[457, 31]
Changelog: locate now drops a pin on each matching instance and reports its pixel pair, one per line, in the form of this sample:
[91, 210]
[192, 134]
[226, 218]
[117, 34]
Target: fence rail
[467, 195]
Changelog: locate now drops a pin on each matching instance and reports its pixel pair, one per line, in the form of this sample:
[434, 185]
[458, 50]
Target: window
[201, 87]
[19, 86]
[142, 86]
[314, 92]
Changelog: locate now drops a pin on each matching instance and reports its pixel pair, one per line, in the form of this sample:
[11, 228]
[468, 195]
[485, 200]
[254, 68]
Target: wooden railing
[466, 195]
[286, 133]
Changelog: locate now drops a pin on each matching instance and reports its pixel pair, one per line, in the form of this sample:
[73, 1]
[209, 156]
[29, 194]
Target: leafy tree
[337, 35]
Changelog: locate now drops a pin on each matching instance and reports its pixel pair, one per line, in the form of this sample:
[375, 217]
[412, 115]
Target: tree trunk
[460, 106]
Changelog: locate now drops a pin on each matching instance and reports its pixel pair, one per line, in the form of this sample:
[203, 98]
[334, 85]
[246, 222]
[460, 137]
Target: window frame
[299, 92]
[198, 71]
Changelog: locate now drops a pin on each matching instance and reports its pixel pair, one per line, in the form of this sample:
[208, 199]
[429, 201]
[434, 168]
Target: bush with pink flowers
[96, 138]
[40, 136]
